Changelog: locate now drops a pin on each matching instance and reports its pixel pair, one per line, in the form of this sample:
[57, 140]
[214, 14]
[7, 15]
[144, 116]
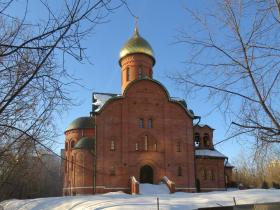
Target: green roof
[81, 122]
[85, 143]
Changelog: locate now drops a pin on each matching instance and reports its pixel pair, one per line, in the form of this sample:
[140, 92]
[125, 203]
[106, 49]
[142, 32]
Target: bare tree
[33, 84]
[32, 176]
[234, 54]
[258, 170]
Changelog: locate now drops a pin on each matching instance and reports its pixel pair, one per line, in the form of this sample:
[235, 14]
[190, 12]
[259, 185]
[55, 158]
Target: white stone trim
[98, 187]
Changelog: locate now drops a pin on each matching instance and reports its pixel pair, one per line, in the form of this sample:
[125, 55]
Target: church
[142, 135]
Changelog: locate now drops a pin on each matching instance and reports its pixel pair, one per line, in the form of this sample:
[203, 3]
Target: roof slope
[209, 153]
[81, 122]
[99, 99]
[85, 143]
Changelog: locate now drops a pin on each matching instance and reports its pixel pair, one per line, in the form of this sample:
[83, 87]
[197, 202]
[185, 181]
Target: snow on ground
[120, 200]
[152, 189]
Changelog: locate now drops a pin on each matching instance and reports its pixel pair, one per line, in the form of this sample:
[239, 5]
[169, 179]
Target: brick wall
[210, 172]
[119, 122]
[133, 63]
[77, 164]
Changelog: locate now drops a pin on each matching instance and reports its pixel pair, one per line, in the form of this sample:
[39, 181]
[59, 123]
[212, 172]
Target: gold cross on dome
[136, 33]
[136, 22]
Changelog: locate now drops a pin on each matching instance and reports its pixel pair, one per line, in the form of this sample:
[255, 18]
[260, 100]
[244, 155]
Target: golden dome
[137, 44]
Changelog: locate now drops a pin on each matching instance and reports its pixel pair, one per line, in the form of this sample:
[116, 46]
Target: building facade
[143, 133]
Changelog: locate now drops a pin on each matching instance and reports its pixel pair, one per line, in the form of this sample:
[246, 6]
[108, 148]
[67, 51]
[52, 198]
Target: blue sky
[159, 22]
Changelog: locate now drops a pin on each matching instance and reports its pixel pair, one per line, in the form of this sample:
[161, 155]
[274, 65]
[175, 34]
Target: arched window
[66, 146]
[155, 146]
[127, 74]
[65, 164]
[197, 140]
[209, 175]
[112, 146]
[136, 147]
[72, 144]
[72, 163]
[178, 147]
[146, 143]
[150, 123]
[226, 179]
[206, 139]
[140, 72]
[204, 174]
[212, 175]
[179, 172]
[112, 171]
[141, 123]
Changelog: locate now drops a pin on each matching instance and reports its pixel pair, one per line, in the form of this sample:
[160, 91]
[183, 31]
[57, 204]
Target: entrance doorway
[146, 174]
[197, 184]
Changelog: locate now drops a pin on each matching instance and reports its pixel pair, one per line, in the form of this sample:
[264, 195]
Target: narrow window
[204, 174]
[65, 164]
[197, 140]
[146, 143]
[127, 74]
[150, 123]
[72, 144]
[178, 147]
[72, 163]
[155, 146]
[141, 123]
[136, 147]
[112, 147]
[140, 72]
[112, 171]
[226, 179]
[206, 139]
[66, 146]
[212, 175]
[209, 175]
[179, 172]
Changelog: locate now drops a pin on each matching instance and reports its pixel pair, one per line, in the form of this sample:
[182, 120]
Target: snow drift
[122, 201]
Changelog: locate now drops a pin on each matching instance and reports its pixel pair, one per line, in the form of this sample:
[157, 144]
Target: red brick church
[142, 135]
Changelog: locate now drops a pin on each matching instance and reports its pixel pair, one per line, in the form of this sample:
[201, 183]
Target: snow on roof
[99, 99]
[229, 165]
[177, 99]
[203, 125]
[120, 200]
[209, 153]
[180, 100]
